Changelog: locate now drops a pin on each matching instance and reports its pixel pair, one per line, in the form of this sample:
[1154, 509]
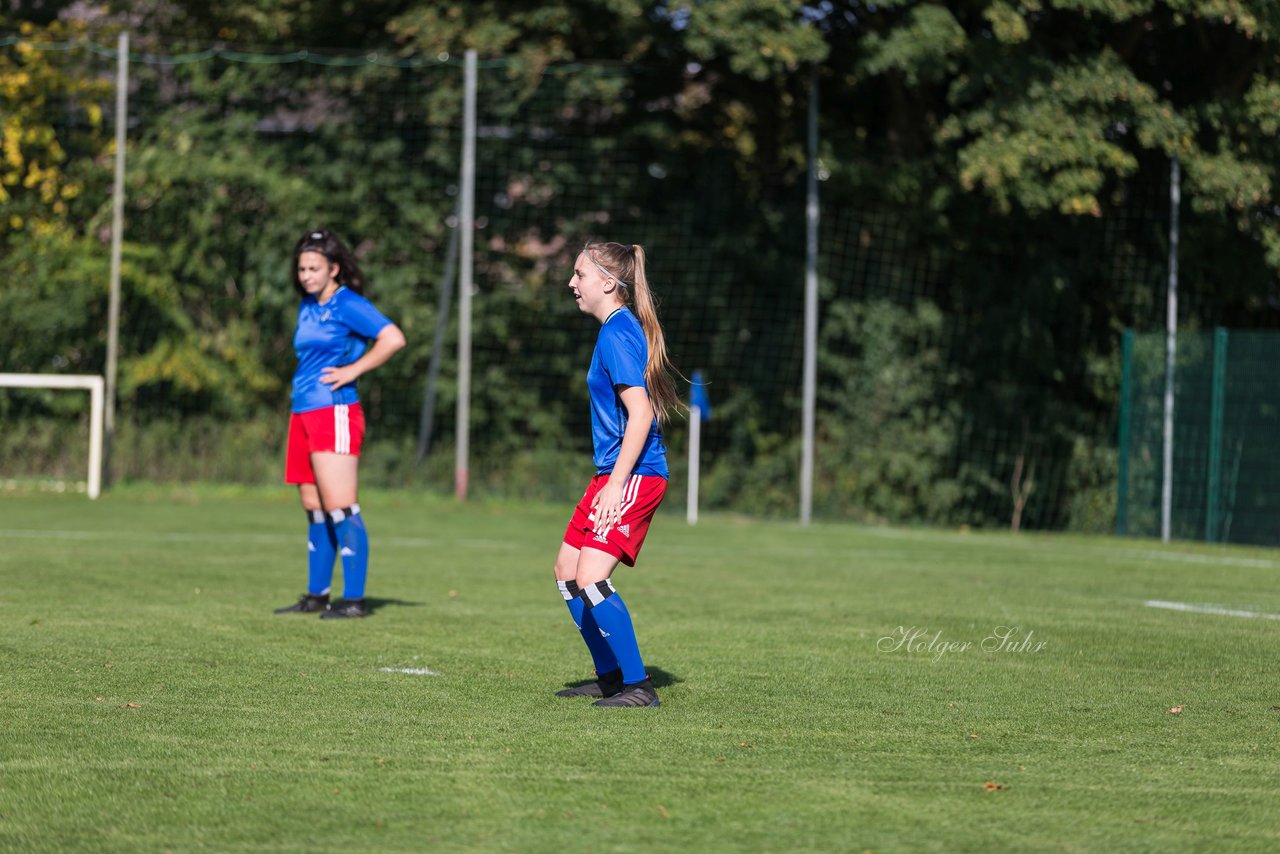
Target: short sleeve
[362, 318]
[623, 357]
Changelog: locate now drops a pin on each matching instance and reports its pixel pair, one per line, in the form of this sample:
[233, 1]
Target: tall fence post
[1171, 349]
[810, 312]
[466, 225]
[1123, 442]
[1214, 485]
[427, 415]
[117, 237]
[695, 454]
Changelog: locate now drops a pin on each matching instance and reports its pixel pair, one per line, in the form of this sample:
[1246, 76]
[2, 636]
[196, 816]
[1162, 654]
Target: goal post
[95, 385]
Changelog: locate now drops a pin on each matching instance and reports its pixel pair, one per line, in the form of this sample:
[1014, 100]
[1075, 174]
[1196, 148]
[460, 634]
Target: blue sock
[610, 613]
[354, 542]
[603, 658]
[322, 548]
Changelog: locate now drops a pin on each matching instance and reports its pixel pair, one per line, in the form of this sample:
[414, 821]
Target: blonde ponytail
[627, 265]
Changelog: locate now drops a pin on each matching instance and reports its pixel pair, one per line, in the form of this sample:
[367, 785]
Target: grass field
[150, 700]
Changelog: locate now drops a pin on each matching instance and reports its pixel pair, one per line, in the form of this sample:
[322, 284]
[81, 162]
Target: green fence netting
[1226, 423]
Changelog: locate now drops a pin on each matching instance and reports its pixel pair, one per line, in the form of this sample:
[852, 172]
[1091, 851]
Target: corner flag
[698, 396]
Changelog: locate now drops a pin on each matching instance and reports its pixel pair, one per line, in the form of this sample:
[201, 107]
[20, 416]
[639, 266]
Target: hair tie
[604, 272]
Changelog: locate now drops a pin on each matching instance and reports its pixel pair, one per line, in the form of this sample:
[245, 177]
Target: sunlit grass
[833, 688]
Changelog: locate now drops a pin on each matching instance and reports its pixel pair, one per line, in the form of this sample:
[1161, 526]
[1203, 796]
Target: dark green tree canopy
[994, 184]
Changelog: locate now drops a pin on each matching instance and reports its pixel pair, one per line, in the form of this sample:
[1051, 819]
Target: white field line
[228, 537]
[887, 533]
[412, 671]
[1073, 548]
[1218, 610]
[1259, 562]
[128, 535]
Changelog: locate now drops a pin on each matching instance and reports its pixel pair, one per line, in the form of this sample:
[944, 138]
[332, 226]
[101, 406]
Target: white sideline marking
[188, 537]
[981, 538]
[1260, 562]
[1209, 609]
[412, 671]
[974, 539]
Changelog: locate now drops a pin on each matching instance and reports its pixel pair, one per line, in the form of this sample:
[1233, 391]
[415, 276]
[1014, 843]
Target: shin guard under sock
[610, 613]
[601, 655]
[353, 541]
[322, 548]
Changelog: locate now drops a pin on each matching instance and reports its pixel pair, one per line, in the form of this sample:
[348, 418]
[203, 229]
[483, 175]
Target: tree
[50, 121]
[994, 207]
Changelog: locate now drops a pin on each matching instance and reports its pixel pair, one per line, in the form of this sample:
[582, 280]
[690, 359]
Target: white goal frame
[95, 386]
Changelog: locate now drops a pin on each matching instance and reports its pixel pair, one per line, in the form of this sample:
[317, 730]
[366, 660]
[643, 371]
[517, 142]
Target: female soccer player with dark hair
[326, 428]
[631, 394]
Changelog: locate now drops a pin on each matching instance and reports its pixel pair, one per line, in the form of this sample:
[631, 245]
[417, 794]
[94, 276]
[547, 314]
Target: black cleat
[639, 694]
[308, 604]
[606, 685]
[346, 608]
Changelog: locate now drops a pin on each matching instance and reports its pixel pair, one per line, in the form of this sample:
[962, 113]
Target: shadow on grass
[661, 678]
[375, 604]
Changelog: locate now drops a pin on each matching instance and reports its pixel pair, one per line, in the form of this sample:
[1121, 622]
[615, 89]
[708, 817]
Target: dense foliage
[995, 211]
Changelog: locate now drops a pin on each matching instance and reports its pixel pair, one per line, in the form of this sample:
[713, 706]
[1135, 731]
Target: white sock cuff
[598, 592]
[343, 513]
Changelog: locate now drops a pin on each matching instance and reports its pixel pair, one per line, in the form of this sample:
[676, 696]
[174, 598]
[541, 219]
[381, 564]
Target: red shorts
[640, 499]
[333, 430]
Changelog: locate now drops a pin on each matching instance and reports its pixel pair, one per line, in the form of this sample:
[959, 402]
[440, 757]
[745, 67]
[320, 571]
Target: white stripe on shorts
[341, 430]
[630, 493]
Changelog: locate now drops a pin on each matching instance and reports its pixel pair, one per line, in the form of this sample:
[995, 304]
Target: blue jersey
[330, 336]
[619, 359]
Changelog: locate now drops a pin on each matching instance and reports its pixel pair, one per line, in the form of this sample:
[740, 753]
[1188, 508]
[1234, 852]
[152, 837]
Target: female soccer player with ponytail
[631, 394]
[326, 430]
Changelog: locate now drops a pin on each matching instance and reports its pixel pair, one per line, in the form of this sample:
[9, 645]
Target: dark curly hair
[330, 246]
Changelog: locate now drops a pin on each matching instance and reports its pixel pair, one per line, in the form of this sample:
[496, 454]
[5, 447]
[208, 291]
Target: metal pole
[95, 436]
[1171, 348]
[695, 452]
[1126, 413]
[427, 417]
[1213, 485]
[810, 311]
[466, 225]
[117, 236]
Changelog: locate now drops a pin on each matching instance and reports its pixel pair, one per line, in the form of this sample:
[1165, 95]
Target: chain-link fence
[963, 376]
[1226, 420]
